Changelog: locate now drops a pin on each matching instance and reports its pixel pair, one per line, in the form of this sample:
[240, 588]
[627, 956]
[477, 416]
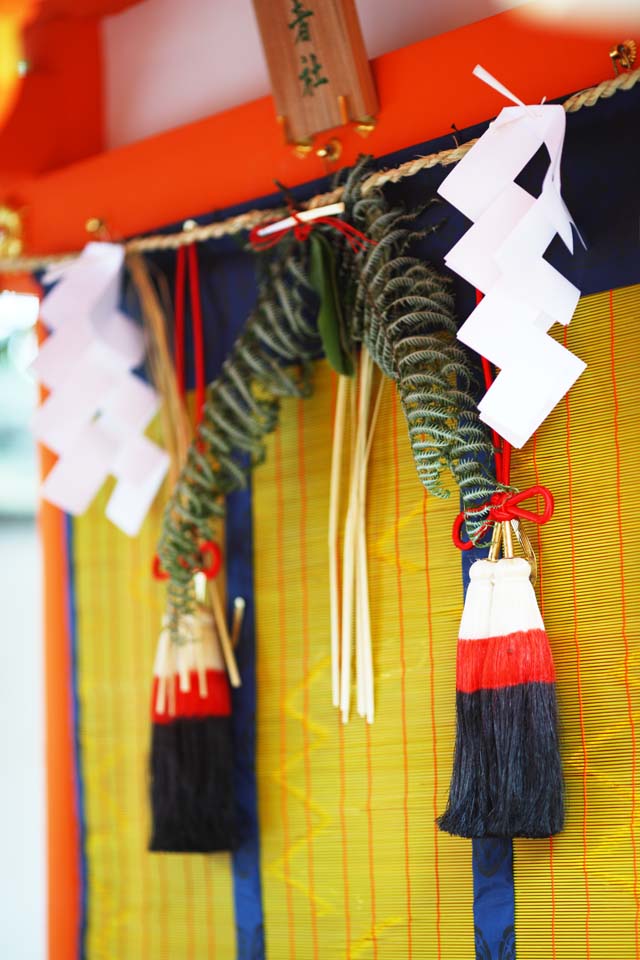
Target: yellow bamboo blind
[352, 866]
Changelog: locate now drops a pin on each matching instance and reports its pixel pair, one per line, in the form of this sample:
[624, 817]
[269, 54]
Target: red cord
[198, 331]
[503, 506]
[502, 447]
[189, 255]
[301, 230]
[178, 319]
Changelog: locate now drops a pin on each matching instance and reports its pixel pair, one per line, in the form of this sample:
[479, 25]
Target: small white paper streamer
[97, 411]
[502, 255]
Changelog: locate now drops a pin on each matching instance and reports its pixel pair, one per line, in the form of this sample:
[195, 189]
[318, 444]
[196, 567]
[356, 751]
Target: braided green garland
[400, 308]
[242, 407]
[404, 314]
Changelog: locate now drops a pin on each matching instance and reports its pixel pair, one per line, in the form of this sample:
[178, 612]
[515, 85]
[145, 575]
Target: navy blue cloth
[493, 899]
[77, 749]
[492, 860]
[246, 859]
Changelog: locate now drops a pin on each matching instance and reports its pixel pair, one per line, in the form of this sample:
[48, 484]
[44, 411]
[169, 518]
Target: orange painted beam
[235, 155]
[58, 114]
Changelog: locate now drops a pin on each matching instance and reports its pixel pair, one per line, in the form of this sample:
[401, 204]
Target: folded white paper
[503, 255]
[89, 287]
[130, 502]
[78, 475]
[98, 409]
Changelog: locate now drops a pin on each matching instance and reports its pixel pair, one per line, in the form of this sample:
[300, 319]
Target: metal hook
[623, 55]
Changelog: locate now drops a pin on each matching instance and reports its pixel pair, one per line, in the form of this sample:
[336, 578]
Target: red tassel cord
[507, 775]
[191, 761]
[301, 230]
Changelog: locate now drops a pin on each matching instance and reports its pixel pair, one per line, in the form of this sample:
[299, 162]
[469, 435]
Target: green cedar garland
[322, 295]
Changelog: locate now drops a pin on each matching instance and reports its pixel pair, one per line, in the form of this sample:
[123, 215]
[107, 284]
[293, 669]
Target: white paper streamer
[502, 255]
[97, 411]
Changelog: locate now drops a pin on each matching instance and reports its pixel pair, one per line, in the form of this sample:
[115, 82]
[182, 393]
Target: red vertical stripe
[342, 800]
[211, 918]
[576, 641]
[282, 623]
[188, 907]
[140, 669]
[345, 851]
[371, 846]
[552, 879]
[434, 742]
[304, 589]
[403, 673]
[623, 612]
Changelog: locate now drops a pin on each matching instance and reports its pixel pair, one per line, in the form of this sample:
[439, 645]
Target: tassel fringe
[192, 786]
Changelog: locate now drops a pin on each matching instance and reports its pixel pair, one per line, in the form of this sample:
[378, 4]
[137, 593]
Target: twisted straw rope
[245, 221]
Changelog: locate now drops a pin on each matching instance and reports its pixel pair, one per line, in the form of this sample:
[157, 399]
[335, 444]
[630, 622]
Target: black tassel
[525, 772]
[192, 786]
[469, 796]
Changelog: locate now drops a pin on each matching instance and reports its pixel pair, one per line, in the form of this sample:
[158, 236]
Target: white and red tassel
[468, 806]
[520, 709]
[191, 749]
[507, 774]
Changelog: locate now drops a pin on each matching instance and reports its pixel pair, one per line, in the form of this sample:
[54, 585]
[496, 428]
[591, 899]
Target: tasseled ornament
[468, 806]
[507, 774]
[520, 710]
[192, 801]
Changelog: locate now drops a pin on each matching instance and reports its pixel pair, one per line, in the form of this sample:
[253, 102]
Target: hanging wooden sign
[318, 64]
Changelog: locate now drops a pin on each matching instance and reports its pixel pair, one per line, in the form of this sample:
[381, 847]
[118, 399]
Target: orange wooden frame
[227, 159]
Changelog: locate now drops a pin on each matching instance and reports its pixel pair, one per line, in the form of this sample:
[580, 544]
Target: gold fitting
[96, 226]
[623, 55]
[343, 107]
[10, 232]
[496, 540]
[366, 126]
[507, 540]
[331, 150]
[527, 549]
[302, 149]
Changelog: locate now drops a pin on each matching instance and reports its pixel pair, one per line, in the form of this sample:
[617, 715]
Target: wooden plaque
[318, 64]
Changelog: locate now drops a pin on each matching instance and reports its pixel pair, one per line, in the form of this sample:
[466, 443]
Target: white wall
[22, 757]
[170, 62]
[22, 805]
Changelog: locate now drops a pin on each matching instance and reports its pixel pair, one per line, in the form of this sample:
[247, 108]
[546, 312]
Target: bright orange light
[13, 15]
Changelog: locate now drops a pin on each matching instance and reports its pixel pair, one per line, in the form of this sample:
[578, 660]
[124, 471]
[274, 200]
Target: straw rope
[246, 221]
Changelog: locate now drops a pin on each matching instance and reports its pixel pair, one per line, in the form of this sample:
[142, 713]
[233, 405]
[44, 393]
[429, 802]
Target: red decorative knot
[302, 228]
[504, 507]
[210, 562]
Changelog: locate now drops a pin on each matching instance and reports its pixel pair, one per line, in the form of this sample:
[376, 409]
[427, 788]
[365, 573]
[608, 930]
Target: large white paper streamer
[502, 255]
[97, 410]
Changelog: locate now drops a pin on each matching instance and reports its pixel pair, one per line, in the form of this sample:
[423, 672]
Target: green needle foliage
[321, 296]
